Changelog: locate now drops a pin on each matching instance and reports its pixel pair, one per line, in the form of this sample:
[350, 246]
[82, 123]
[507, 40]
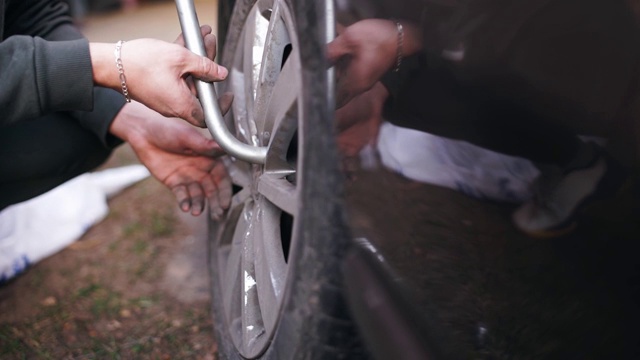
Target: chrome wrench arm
[207, 93]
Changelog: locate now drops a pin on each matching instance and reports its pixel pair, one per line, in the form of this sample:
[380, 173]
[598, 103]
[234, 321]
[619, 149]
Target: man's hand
[178, 155]
[157, 74]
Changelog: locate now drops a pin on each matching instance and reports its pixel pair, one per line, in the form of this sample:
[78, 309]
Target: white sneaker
[550, 213]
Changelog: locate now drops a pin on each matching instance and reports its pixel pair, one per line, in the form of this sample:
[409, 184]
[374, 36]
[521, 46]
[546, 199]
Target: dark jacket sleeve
[38, 77]
[107, 102]
[48, 22]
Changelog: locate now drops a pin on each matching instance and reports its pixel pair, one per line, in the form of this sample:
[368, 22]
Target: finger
[215, 210]
[217, 150]
[210, 46]
[182, 196]
[223, 182]
[196, 144]
[211, 191]
[204, 30]
[197, 198]
[225, 102]
[192, 142]
[209, 186]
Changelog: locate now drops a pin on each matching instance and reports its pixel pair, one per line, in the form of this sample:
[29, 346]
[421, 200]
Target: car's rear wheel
[275, 255]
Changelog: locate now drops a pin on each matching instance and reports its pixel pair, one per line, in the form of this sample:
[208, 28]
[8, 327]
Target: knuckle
[206, 65]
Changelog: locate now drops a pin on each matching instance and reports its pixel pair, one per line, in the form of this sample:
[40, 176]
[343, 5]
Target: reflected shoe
[552, 210]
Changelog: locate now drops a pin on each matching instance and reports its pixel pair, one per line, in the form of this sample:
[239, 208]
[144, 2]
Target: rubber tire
[314, 323]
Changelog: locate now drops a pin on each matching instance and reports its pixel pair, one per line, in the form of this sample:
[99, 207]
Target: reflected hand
[178, 155]
[358, 122]
[365, 51]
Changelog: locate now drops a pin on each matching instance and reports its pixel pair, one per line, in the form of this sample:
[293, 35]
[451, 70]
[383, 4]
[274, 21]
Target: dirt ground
[136, 285]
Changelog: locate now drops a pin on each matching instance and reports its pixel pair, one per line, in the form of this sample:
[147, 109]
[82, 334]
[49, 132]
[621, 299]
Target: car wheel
[275, 256]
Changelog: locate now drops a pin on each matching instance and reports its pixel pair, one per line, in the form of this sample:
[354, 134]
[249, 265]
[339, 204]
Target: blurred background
[136, 284]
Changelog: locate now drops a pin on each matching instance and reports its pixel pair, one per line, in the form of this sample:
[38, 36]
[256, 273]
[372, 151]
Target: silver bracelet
[399, 49]
[123, 79]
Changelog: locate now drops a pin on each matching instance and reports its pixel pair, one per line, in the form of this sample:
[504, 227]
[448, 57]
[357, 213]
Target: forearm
[105, 72]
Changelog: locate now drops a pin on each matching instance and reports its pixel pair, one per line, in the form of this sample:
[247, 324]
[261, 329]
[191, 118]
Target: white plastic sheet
[454, 164]
[44, 225]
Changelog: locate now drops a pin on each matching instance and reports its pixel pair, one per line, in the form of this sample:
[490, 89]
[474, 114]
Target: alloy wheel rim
[259, 230]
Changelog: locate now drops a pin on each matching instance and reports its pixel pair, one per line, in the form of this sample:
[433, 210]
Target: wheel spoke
[284, 95]
[240, 173]
[237, 83]
[253, 40]
[277, 189]
[240, 198]
[231, 278]
[252, 323]
[270, 264]
[277, 40]
[248, 57]
[264, 7]
[239, 105]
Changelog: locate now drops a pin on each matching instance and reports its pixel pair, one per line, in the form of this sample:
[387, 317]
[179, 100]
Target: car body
[394, 239]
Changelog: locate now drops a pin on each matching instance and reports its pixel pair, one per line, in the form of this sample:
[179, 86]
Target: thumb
[193, 112]
[337, 49]
[204, 69]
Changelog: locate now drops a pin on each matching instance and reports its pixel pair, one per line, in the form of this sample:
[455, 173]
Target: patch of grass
[173, 341]
[189, 315]
[53, 312]
[104, 349]
[113, 246]
[22, 343]
[140, 247]
[10, 343]
[88, 290]
[147, 262]
[144, 301]
[37, 278]
[162, 224]
[142, 269]
[133, 229]
[140, 348]
[106, 303]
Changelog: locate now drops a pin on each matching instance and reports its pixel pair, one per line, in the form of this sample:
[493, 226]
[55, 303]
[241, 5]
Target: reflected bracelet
[123, 79]
[399, 48]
